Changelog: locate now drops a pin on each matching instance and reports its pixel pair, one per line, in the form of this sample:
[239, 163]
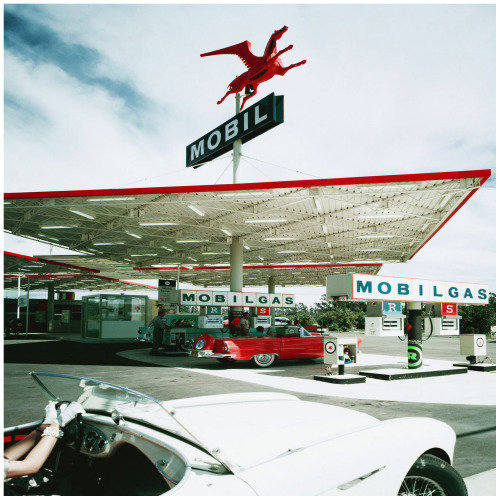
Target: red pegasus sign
[260, 69]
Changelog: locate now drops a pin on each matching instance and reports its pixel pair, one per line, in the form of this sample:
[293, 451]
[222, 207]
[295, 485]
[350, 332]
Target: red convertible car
[283, 342]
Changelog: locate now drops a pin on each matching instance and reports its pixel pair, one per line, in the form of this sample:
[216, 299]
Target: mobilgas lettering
[364, 287]
[289, 300]
[219, 298]
[276, 300]
[403, 289]
[387, 285]
[481, 293]
[468, 294]
[204, 297]
[262, 300]
[453, 292]
[435, 292]
[188, 297]
[421, 289]
[247, 300]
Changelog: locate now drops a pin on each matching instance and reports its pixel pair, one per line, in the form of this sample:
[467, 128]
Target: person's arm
[159, 323]
[20, 448]
[42, 446]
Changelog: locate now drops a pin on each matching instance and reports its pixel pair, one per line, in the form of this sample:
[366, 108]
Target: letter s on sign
[448, 309]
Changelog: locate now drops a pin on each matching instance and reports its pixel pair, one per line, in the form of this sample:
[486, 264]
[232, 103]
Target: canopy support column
[236, 276]
[27, 305]
[50, 305]
[271, 288]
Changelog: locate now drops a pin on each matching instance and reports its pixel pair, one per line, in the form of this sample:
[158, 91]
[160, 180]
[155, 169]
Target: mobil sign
[235, 299]
[368, 287]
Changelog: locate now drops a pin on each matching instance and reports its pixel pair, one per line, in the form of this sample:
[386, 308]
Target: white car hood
[239, 430]
[244, 430]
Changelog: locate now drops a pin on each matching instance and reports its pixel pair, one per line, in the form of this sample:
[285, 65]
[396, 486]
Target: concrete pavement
[473, 389]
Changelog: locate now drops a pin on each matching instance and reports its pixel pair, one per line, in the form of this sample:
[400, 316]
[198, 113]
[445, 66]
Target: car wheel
[264, 360]
[204, 342]
[431, 476]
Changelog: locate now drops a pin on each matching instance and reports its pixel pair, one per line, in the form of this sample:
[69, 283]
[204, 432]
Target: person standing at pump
[159, 327]
[244, 324]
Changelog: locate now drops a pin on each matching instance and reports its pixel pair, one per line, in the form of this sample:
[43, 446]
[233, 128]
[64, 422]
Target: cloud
[102, 96]
[36, 43]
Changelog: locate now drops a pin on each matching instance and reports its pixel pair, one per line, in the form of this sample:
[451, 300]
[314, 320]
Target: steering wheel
[73, 431]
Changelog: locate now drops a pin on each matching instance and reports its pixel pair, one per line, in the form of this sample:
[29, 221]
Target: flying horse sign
[257, 119]
[260, 69]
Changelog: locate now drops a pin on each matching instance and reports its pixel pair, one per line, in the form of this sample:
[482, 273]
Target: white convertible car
[251, 444]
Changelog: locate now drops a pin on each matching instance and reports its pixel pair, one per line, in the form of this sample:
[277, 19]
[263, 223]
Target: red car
[283, 342]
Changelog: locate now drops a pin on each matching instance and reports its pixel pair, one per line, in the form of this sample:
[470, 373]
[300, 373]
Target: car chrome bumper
[200, 353]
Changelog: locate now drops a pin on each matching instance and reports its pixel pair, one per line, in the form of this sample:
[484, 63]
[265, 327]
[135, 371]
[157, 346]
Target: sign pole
[236, 249]
[415, 353]
[236, 147]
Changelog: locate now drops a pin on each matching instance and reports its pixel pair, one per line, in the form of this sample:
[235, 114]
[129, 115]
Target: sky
[108, 96]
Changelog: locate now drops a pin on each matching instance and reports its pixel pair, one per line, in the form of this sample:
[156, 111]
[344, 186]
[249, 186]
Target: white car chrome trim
[354, 482]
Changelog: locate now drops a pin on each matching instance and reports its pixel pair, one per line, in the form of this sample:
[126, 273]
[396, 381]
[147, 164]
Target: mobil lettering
[259, 118]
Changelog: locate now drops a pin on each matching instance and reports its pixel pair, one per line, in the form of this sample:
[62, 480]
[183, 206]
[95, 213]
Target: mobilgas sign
[255, 120]
[367, 287]
[237, 299]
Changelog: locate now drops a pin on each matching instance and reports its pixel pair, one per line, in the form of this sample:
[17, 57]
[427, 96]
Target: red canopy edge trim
[27, 257]
[80, 276]
[55, 275]
[278, 266]
[345, 181]
[47, 261]
[461, 204]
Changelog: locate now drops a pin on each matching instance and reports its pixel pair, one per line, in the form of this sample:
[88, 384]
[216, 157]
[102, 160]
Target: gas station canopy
[297, 231]
[64, 277]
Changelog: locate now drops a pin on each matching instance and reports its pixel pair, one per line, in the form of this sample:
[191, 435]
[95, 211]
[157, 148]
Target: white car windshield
[108, 399]
[93, 395]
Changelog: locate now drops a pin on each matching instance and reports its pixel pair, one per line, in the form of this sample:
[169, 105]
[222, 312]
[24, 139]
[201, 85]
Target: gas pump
[442, 319]
[211, 318]
[261, 317]
[264, 321]
[384, 319]
[210, 321]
